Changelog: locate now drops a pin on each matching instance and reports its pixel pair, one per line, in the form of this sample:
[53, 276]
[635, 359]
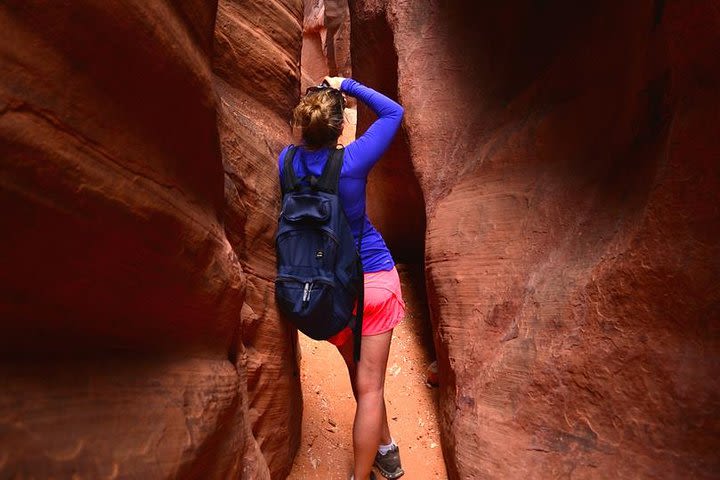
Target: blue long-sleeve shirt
[360, 156]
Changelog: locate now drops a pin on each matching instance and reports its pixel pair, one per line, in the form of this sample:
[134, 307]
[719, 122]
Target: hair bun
[320, 116]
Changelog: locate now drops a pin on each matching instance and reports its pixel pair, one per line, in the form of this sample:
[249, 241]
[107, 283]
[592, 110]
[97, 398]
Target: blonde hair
[320, 116]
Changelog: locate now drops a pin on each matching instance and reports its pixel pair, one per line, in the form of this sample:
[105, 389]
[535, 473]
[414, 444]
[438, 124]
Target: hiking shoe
[389, 464]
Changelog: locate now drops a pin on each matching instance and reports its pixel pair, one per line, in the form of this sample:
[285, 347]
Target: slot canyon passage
[556, 181]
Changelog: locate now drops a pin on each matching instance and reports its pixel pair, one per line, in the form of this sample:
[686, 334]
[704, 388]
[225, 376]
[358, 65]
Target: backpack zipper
[294, 278]
[326, 230]
[306, 293]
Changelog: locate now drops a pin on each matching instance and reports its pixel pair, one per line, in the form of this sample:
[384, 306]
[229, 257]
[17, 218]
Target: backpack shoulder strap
[329, 180]
[290, 181]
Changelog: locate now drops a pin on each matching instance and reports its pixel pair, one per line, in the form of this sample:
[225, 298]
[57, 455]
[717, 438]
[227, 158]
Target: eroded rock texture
[326, 41]
[122, 350]
[257, 49]
[569, 161]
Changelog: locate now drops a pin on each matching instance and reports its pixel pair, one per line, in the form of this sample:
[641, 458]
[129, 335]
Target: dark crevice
[658, 12]
[396, 204]
[395, 200]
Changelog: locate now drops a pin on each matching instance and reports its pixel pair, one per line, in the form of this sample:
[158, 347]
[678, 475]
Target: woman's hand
[334, 82]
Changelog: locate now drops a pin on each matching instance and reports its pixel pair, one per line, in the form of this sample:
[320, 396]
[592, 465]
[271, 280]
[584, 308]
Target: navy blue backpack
[319, 272]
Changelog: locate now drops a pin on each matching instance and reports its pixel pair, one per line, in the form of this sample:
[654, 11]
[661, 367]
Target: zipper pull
[306, 294]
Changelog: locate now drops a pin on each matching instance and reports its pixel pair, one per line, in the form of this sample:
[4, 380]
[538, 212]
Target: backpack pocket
[309, 304]
[308, 208]
[307, 250]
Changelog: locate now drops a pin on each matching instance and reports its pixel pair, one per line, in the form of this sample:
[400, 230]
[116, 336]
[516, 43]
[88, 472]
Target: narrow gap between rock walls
[396, 207]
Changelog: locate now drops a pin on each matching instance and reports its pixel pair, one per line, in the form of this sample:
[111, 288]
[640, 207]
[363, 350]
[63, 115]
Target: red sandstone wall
[257, 48]
[136, 236]
[568, 158]
[569, 162]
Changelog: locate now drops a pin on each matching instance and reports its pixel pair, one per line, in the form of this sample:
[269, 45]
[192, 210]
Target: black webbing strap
[290, 180]
[357, 333]
[329, 180]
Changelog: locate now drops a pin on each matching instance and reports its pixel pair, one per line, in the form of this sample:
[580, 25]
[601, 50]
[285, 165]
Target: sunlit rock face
[135, 256]
[568, 159]
[326, 41]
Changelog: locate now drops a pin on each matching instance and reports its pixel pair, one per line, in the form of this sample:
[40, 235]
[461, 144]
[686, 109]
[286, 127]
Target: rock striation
[566, 158]
[569, 167]
[257, 75]
[137, 190]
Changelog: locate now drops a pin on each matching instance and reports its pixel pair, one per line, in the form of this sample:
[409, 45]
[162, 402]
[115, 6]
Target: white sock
[384, 449]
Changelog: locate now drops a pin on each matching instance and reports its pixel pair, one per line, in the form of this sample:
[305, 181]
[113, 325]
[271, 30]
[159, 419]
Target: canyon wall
[569, 164]
[256, 64]
[139, 338]
[566, 157]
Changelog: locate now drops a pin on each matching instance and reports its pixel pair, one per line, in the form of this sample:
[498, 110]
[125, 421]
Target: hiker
[320, 117]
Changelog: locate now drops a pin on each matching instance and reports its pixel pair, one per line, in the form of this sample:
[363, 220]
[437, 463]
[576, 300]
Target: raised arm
[366, 150]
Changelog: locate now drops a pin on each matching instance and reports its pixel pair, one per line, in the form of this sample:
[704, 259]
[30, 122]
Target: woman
[320, 118]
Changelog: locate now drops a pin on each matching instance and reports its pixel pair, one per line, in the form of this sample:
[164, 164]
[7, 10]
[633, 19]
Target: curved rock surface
[568, 159]
[257, 54]
[128, 219]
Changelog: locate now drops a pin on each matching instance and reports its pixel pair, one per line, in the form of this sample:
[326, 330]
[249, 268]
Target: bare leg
[370, 416]
[346, 350]
[385, 438]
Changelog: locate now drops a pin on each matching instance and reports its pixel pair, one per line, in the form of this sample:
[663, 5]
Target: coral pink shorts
[384, 306]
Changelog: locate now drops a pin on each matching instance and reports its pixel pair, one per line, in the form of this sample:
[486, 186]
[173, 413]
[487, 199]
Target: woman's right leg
[346, 350]
[370, 416]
